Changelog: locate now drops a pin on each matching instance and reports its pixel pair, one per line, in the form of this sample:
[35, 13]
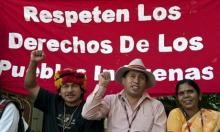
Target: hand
[104, 79]
[37, 55]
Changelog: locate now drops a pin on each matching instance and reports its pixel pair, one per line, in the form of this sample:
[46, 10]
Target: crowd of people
[130, 110]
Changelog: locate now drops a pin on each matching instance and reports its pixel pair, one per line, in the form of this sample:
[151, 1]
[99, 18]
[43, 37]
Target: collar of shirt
[122, 97]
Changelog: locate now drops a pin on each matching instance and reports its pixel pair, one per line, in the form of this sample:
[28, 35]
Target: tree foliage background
[209, 101]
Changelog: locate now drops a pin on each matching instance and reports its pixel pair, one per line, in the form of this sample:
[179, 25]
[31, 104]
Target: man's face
[187, 96]
[71, 93]
[134, 83]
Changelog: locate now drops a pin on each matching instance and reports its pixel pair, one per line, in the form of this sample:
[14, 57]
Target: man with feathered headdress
[62, 112]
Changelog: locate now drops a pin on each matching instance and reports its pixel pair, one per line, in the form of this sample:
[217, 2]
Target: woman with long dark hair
[189, 117]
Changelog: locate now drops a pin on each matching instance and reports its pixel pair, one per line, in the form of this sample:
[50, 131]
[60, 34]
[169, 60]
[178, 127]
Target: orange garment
[176, 121]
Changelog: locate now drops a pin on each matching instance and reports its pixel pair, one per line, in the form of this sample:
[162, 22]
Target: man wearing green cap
[62, 111]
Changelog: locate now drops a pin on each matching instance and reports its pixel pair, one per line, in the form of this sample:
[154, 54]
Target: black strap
[127, 116]
[3, 104]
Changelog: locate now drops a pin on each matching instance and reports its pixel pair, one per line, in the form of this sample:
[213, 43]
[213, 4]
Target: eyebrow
[186, 90]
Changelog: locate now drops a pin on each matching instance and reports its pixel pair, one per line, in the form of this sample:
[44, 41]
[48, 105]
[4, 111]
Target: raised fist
[37, 55]
[104, 79]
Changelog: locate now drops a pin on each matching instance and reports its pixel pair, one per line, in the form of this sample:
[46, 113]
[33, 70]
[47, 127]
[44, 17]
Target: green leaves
[209, 101]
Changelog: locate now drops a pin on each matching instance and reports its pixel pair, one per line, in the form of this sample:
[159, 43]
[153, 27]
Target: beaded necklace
[67, 121]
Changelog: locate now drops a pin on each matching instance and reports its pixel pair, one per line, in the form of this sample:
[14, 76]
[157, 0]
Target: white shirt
[10, 118]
